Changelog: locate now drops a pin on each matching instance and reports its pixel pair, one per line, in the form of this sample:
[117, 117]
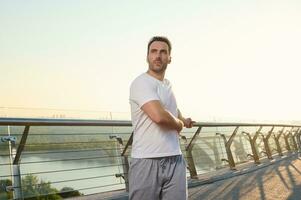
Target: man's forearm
[161, 116]
[169, 121]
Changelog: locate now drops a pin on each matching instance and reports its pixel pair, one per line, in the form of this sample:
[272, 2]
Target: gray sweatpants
[161, 178]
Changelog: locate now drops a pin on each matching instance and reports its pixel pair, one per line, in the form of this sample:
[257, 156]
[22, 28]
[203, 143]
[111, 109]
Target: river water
[96, 173]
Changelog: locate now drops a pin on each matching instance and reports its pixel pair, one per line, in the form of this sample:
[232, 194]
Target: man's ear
[169, 60]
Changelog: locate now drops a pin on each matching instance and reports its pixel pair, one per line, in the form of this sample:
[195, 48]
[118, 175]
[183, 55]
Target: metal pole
[190, 161]
[191, 164]
[228, 143]
[297, 135]
[279, 150]
[286, 140]
[16, 153]
[18, 194]
[252, 141]
[124, 160]
[266, 143]
[294, 139]
[15, 168]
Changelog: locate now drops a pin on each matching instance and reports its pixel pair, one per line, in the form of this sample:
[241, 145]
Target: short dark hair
[160, 39]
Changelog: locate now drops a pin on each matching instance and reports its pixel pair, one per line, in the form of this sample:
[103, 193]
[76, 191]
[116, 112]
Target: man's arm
[161, 116]
[188, 123]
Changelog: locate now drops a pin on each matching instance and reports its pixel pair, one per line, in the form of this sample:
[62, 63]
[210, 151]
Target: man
[157, 169]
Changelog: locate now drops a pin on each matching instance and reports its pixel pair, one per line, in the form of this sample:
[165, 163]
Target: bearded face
[158, 57]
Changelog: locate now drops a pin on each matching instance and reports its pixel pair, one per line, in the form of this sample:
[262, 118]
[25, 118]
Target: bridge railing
[43, 157]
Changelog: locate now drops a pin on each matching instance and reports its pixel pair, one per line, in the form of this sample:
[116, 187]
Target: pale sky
[233, 60]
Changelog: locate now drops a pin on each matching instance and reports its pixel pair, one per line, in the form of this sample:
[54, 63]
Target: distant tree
[33, 189]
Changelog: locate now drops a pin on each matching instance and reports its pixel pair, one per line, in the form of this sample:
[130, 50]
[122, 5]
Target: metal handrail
[85, 122]
[61, 122]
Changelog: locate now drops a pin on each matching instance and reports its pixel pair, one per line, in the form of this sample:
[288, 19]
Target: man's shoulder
[141, 79]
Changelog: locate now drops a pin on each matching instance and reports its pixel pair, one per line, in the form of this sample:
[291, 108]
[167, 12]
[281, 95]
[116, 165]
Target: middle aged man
[157, 169]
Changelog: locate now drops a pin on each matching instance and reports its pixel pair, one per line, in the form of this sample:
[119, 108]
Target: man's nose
[158, 55]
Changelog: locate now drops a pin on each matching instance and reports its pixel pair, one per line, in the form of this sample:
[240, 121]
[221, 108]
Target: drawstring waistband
[165, 161]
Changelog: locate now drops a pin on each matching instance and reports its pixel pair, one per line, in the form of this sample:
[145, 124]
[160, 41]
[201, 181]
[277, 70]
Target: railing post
[297, 135]
[286, 136]
[17, 191]
[17, 182]
[294, 140]
[15, 168]
[125, 162]
[190, 161]
[266, 143]
[279, 150]
[228, 143]
[124, 159]
[253, 144]
[125, 166]
[11, 140]
[191, 165]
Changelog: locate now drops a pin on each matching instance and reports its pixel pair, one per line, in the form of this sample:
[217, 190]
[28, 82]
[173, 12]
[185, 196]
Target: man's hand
[180, 126]
[188, 123]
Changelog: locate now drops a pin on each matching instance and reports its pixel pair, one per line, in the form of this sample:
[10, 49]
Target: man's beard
[158, 70]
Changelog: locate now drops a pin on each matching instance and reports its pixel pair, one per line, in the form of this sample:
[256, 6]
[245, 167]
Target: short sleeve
[143, 91]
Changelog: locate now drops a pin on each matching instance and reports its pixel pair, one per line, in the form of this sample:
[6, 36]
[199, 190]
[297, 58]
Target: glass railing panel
[83, 159]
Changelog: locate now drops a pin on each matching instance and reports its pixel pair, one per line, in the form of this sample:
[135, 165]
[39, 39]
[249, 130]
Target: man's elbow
[163, 119]
[159, 119]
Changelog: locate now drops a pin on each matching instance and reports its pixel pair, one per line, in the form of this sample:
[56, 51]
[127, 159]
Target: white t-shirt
[150, 140]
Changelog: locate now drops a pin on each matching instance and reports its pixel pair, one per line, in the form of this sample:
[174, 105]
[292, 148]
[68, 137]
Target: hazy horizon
[22, 112]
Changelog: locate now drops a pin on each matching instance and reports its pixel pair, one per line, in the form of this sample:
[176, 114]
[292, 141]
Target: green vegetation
[35, 189]
[3, 193]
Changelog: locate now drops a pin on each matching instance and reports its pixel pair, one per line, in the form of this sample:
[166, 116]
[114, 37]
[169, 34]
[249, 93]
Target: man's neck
[159, 76]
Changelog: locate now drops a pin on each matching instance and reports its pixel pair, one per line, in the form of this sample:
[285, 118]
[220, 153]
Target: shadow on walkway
[279, 181]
